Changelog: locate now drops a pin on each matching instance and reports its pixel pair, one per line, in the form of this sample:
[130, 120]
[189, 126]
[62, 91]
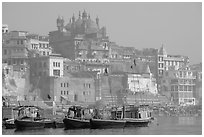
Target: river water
[163, 125]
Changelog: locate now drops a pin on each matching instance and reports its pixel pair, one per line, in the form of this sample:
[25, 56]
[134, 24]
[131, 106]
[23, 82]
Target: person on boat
[38, 114]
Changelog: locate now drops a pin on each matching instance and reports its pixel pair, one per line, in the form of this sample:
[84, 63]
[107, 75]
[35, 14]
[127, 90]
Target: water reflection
[187, 120]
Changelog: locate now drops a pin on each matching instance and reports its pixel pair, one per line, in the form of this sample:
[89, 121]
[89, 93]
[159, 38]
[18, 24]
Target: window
[53, 64]
[64, 84]
[48, 53]
[172, 88]
[56, 72]
[67, 92]
[14, 62]
[61, 92]
[89, 85]
[21, 41]
[58, 64]
[43, 52]
[176, 88]
[61, 84]
[21, 62]
[67, 84]
[17, 42]
[84, 93]
[185, 88]
[180, 88]
[64, 92]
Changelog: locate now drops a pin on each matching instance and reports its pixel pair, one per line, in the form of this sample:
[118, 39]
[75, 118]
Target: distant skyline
[178, 26]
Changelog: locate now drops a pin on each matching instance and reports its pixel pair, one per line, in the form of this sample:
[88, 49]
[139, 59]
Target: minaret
[73, 19]
[84, 15]
[89, 17]
[97, 21]
[79, 15]
[60, 23]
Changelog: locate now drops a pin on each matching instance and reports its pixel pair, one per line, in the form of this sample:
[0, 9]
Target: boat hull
[9, 125]
[99, 123]
[137, 122]
[70, 123]
[26, 124]
[49, 124]
[59, 124]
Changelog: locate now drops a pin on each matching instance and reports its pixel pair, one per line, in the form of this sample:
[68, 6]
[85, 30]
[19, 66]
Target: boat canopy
[24, 107]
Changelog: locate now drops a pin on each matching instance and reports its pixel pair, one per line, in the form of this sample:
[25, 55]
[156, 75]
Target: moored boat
[75, 118]
[29, 123]
[139, 116]
[73, 123]
[29, 118]
[103, 123]
[9, 124]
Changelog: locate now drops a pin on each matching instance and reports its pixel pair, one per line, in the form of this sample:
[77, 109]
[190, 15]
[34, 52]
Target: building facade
[39, 45]
[165, 61]
[52, 65]
[180, 85]
[15, 50]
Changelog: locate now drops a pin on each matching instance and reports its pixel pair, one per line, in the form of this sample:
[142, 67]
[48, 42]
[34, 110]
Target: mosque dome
[81, 22]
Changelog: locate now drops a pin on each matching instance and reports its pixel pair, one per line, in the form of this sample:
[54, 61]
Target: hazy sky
[142, 25]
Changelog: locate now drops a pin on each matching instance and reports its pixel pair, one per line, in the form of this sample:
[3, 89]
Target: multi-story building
[165, 61]
[39, 45]
[179, 85]
[52, 65]
[135, 78]
[72, 66]
[15, 50]
[78, 87]
[197, 72]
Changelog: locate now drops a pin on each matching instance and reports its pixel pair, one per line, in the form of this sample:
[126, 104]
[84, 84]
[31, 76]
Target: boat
[29, 123]
[103, 123]
[76, 120]
[59, 124]
[29, 118]
[76, 123]
[137, 116]
[9, 124]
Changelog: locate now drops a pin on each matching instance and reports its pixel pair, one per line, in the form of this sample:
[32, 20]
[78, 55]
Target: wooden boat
[29, 123]
[138, 116]
[74, 123]
[137, 122]
[76, 120]
[9, 124]
[59, 124]
[29, 118]
[102, 123]
[49, 123]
